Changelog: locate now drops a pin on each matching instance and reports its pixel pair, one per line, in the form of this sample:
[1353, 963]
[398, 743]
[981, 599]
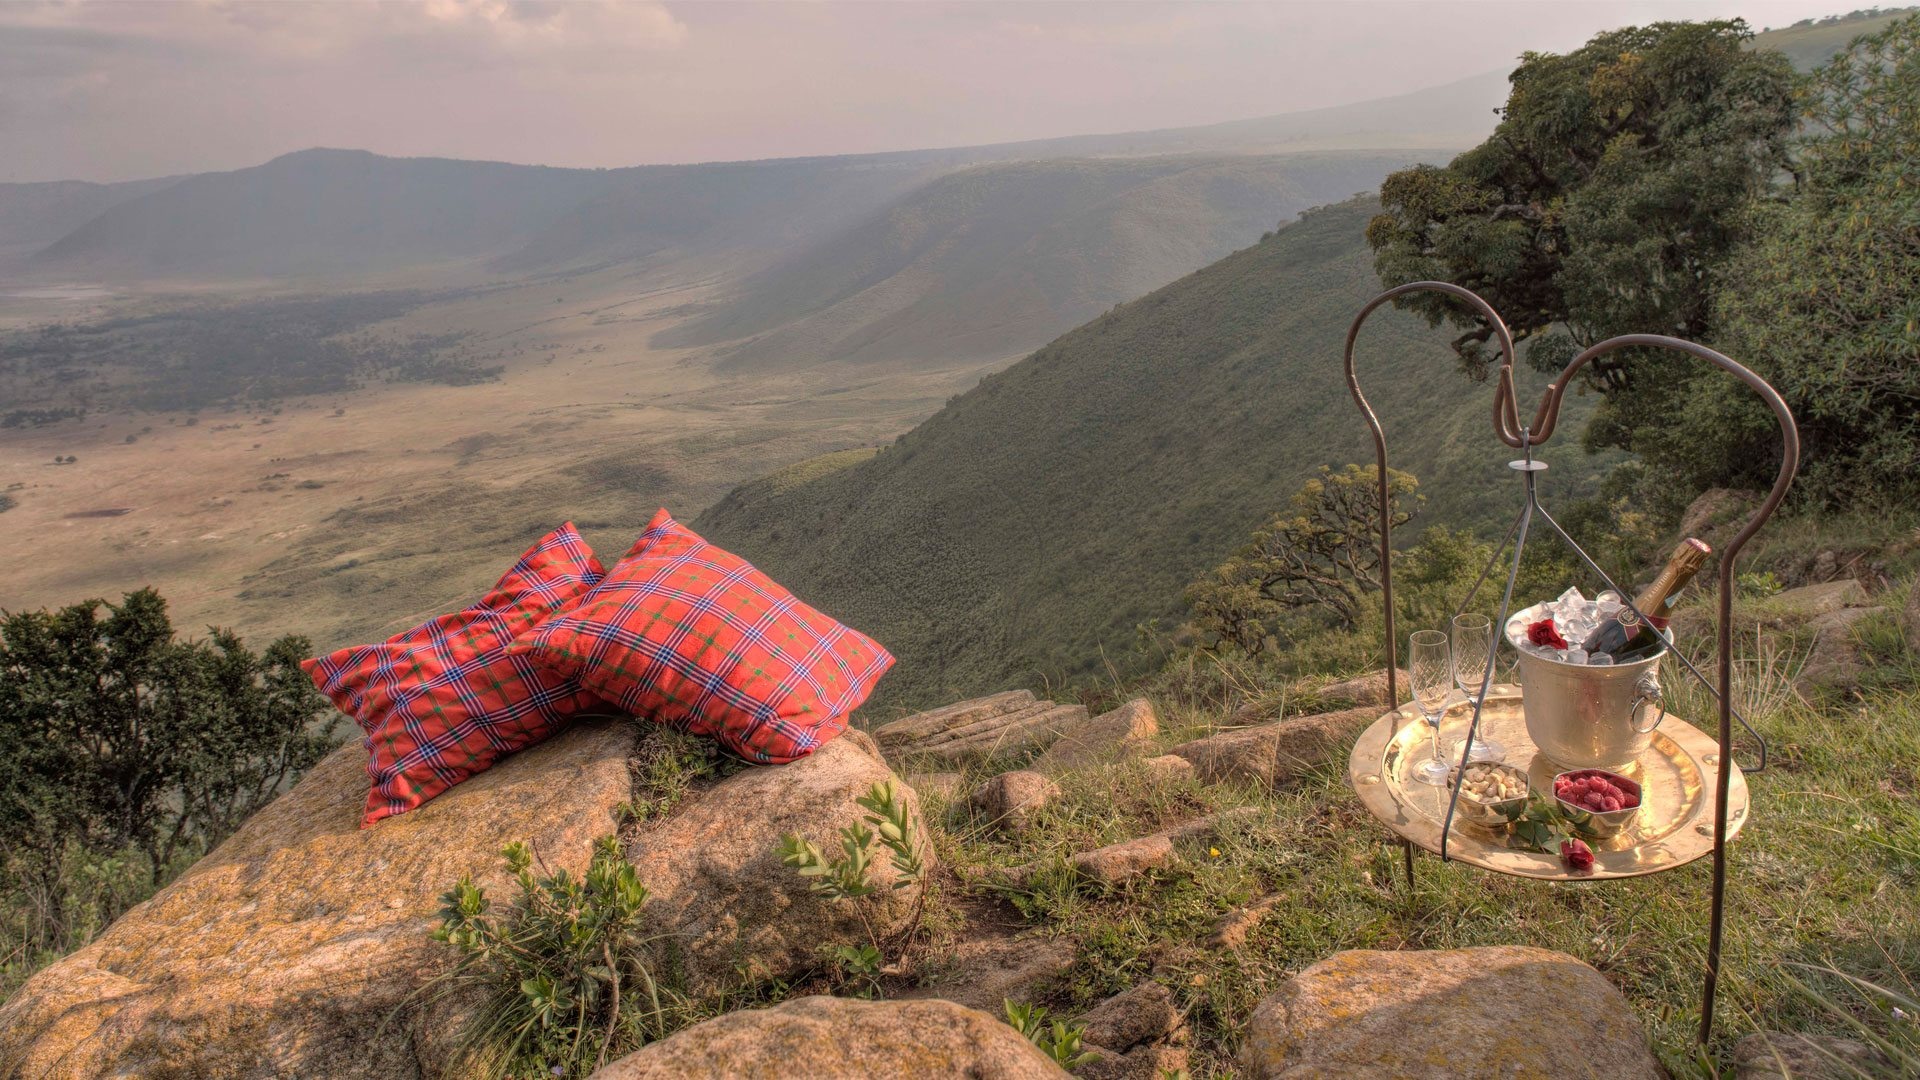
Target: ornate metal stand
[1524, 438]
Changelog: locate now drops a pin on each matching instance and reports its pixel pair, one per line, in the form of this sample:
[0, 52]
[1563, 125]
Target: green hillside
[993, 260]
[1027, 528]
[1812, 42]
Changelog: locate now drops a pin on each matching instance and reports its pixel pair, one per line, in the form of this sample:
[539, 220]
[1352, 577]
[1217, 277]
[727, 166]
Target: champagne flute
[1473, 646]
[1432, 677]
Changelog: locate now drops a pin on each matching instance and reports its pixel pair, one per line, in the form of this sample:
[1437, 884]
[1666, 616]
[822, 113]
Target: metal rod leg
[1406, 849]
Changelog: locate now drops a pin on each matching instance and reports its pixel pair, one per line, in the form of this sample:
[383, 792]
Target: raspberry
[1612, 804]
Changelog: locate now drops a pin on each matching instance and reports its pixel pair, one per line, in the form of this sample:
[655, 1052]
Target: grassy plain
[347, 515]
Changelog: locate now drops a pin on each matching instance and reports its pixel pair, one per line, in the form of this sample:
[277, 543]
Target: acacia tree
[1824, 301]
[1601, 205]
[1322, 553]
[114, 736]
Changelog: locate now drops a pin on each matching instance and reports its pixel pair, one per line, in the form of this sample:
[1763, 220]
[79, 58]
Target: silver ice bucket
[1585, 717]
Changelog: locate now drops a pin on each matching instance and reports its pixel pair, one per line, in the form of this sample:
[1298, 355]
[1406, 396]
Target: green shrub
[1821, 301]
[120, 742]
[1057, 1040]
[562, 967]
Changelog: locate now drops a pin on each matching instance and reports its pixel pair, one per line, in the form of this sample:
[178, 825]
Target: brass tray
[1674, 827]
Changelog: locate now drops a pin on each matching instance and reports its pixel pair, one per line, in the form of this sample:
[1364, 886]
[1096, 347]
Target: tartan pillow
[696, 638]
[446, 699]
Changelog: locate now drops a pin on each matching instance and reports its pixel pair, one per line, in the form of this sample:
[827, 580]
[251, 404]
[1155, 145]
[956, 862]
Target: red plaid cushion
[694, 637]
[446, 699]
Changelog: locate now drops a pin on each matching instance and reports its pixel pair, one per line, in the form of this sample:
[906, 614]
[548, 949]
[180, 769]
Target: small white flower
[1901, 1014]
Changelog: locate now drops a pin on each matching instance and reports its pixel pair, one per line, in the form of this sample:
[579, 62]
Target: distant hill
[319, 212]
[35, 215]
[343, 212]
[1024, 531]
[336, 212]
[1812, 42]
[989, 261]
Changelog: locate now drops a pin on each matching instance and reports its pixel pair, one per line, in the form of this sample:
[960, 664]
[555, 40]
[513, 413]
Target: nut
[1489, 783]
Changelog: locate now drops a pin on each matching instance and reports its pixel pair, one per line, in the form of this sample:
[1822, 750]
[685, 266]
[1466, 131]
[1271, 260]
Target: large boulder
[286, 950]
[824, 1038]
[1103, 739]
[727, 909]
[1499, 1011]
[1277, 752]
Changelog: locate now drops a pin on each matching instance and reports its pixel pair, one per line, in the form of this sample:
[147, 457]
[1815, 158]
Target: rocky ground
[1196, 896]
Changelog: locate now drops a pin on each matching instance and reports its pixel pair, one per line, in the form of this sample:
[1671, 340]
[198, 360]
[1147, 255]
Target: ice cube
[1608, 609]
[1611, 597]
[1599, 659]
[1576, 655]
[1570, 598]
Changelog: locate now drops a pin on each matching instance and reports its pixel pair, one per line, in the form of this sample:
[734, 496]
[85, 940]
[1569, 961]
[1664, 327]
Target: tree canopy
[1322, 553]
[1602, 204]
[1823, 299]
[115, 737]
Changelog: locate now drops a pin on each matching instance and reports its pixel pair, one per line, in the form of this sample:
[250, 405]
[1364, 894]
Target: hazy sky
[109, 91]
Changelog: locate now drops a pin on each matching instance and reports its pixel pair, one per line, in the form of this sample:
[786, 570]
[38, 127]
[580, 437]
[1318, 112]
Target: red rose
[1576, 854]
[1544, 633]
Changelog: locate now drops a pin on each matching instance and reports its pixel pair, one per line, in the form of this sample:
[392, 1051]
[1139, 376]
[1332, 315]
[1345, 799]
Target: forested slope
[1022, 533]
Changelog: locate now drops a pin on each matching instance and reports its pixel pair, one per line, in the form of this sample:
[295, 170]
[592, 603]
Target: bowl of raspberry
[1597, 803]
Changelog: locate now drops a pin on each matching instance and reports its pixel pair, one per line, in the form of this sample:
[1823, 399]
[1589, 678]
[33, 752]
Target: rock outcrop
[1834, 660]
[284, 951]
[1004, 724]
[1137, 1034]
[1277, 752]
[1109, 737]
[1231, 931]
[1809, 601]
[1445, 1014]
[1167, 769]
[825, 1038]
[1010, 800]
[727, 908]
[984, 971]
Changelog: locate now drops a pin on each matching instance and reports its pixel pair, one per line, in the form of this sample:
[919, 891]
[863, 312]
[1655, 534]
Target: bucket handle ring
[1648, 693]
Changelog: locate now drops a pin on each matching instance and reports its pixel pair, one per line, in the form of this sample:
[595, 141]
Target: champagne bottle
[1624, 632]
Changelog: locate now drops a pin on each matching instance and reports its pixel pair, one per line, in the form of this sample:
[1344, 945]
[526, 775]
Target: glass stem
[1433, 727]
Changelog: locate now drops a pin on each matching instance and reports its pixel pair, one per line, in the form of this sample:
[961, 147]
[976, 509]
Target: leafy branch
[848, 876]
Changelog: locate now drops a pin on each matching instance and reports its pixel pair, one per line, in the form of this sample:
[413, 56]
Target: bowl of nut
[1492, 795]
[1597, 803]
